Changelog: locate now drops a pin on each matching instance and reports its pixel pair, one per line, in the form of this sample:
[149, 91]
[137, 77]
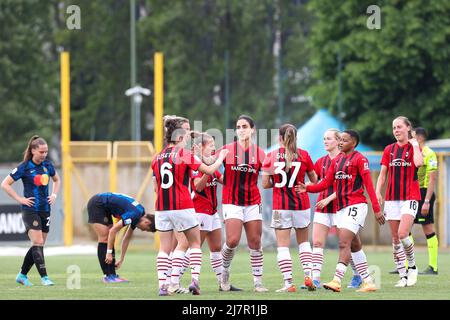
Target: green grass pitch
[139, 267]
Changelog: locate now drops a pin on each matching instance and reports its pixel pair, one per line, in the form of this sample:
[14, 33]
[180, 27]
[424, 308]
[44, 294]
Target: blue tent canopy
[310, 134]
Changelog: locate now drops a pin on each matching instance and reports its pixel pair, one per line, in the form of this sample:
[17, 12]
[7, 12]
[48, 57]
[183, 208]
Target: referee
[427, 177]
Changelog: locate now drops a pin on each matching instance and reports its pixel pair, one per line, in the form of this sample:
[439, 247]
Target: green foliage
[28, 81]
[401, 69]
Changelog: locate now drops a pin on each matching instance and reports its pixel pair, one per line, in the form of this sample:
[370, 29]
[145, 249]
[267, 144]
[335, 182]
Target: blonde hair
[408, 124]
[337, 133]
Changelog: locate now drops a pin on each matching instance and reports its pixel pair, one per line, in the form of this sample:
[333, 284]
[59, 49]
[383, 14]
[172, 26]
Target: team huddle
[185, 177]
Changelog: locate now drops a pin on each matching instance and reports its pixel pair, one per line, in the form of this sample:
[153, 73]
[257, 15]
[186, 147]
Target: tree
[401, 69]
[28, 82]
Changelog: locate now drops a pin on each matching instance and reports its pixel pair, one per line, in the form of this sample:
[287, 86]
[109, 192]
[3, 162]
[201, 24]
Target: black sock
[39, 260]
[112, 266]
[28, 262]
[431, 235]
[101, 254]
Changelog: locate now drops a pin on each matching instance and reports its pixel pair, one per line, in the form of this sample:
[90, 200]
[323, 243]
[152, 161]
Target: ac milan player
[205, 202]
[400, 162]
[350, 174]
[242, 201]
[282, 170]
[325, 215]
[174, 208]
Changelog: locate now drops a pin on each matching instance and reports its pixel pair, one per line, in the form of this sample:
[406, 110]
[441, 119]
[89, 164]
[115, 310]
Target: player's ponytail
[173, 130]
[33, 143]
[288, 135]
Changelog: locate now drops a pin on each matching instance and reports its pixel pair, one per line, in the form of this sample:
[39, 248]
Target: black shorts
[36, 220]
[97, 212]
[429, 218]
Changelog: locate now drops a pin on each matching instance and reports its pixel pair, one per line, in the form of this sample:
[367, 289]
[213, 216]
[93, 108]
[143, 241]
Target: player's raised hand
[300, 188]
[29, 202]
[223, 153]
[380, 218]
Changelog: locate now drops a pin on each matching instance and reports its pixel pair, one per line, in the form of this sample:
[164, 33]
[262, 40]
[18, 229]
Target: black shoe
[232, 288]
[395, 271]
[429, 270]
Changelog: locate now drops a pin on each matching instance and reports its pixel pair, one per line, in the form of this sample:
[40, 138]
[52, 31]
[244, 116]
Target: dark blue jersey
[123, 207]
[35, 178]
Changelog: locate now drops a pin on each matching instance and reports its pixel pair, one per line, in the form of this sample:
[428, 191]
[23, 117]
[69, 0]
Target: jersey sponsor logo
[212, 183]
[40, 180]
[400, 163]
[244, 168]
[127, 221]
[341, 175]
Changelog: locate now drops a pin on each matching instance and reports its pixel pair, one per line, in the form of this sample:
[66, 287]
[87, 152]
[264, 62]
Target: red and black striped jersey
[240, 184]
[284, 195]
[205, 201]
[350, 173]
[171, 170]
[403, 182]
[321, 167]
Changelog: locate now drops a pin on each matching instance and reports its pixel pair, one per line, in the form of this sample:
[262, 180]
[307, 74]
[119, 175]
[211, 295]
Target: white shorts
[327, 219]
[286, 219]
[209, 222]
[180, 220]
[393, 210]
[243, 213]
[352, 217]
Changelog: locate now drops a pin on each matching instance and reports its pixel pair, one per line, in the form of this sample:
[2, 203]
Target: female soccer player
[174, 206]
[325, 214]
[350, 173]
[242, 201]
[283, 169]
[34, 171]
[205, 202]
[400, 162]
[101, 208]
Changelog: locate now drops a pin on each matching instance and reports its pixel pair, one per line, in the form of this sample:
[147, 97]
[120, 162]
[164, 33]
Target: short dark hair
[421, 131]
[151, 217]
[250, 121]
[353, 134]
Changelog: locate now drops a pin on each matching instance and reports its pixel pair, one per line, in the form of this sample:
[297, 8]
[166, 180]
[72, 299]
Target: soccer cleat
[333, 285]
[118, 279]
[309, 284]
[260, 288]
[401, 283]
[176, 288]
[290, 288]
[356, 282]
[23, 279]
[367, 287]
[194, 287]
[429, 270]
[412, 277]
[232, 288]
[46, 281]
[163, 291]
[109, 279]
[317, 284]
[225, 281]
